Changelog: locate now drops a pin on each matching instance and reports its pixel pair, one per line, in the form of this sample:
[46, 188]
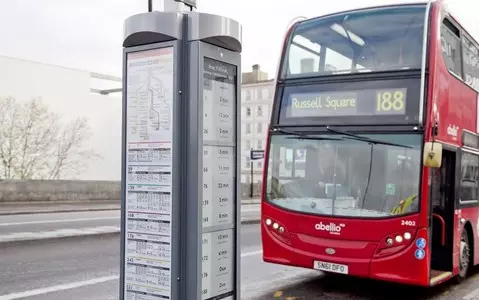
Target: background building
[256, 101]
[72, 93]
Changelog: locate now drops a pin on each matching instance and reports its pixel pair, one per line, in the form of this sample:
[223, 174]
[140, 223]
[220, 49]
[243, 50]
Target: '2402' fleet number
[408, 223]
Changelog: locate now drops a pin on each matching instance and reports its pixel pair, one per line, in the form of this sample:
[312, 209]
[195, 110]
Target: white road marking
[252, 253]
[250, 210]
[57, 288]
[58, 221]
[78, 284]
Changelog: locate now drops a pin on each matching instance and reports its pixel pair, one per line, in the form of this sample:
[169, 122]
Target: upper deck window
[380, 39]
[451, 47]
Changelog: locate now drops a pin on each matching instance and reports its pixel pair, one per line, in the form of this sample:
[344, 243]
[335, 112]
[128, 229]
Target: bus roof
[362, 9]
[422, 3]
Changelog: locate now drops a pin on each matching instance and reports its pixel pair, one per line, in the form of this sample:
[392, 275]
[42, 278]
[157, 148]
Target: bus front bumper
[410, 265]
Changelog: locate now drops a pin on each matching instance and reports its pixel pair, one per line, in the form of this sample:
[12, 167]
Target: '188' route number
[408, 223]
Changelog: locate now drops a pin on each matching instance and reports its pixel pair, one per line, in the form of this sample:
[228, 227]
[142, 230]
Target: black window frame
[449, 23]
[468, 153]
[469, 149]
[291, 34]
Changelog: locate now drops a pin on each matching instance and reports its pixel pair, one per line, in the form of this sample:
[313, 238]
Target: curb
[251, 221]
[25, 237]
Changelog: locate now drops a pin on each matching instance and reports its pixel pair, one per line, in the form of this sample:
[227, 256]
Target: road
[88, 267]
[35, 223]
[84, 268]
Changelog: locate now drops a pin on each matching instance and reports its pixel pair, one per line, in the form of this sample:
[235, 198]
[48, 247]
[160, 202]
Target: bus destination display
[370, 102]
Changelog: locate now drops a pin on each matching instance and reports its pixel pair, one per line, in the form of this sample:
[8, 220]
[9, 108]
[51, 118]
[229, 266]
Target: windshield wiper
[365, 139]
[302, 136]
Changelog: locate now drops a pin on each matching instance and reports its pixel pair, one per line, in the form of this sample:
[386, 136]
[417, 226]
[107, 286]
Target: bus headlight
[278, 230]
[394, 243]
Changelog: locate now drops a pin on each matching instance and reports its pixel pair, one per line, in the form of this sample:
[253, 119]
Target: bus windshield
[334, 174]
[379, 39]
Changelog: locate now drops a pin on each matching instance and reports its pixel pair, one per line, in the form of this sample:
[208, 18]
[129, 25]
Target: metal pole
[251, 192]
[150, 5]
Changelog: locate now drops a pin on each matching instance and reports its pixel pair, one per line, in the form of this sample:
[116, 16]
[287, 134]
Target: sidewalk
[20, 208]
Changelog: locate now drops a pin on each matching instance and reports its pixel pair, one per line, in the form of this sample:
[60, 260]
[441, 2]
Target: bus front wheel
[464, 255]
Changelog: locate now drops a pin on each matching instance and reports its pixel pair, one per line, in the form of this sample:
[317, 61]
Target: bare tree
[34, 144]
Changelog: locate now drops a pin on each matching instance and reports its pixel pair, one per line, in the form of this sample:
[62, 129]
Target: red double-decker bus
[373, 152]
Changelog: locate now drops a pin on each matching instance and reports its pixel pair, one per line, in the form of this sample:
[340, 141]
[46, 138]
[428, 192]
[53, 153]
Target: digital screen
[219, 176]
[368, 102]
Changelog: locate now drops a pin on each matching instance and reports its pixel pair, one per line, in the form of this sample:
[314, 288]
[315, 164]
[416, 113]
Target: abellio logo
[331, 227]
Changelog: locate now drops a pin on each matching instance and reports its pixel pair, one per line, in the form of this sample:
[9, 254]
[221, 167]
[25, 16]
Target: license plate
[330, 267]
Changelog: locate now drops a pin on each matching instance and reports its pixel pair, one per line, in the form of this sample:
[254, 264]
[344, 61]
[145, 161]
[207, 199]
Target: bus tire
[465, 257]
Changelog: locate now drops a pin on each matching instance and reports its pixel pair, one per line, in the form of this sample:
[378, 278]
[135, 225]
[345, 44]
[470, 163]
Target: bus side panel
[431, 91]
[443, 97]
[456, 103]
[453, 105]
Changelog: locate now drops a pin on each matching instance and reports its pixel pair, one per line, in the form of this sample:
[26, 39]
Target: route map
[149, 174]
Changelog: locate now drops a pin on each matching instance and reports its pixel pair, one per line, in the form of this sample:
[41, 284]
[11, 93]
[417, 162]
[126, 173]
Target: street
[88, 267]
[26, 227]
[339, 287]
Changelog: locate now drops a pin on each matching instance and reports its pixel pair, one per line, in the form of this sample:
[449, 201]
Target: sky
[88, 34]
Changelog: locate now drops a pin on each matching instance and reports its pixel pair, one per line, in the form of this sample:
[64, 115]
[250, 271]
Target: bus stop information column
[180, 157]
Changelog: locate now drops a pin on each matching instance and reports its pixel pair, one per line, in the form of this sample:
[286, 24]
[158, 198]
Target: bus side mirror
[432, 156]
